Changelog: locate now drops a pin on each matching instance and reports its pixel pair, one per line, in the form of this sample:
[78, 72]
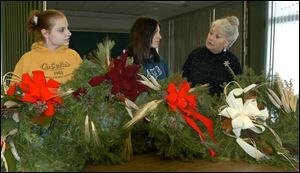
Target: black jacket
[203, 67]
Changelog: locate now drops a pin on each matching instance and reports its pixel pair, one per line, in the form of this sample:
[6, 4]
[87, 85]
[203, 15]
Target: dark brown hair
[140, 39]
[41, 20]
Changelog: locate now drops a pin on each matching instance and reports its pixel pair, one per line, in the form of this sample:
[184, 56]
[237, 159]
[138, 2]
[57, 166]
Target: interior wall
[235, 9]
[181, 34]
[184, 33]
[97, 22]
[84, 41]
[15, 40]
[258, 23]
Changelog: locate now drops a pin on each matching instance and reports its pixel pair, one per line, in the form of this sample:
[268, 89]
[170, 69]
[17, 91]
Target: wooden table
[154, 163]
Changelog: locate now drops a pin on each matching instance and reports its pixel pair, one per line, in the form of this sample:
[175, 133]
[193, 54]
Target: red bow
[187, 105]
[38, 89]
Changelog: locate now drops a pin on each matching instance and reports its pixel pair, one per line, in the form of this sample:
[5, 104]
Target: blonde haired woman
[208, 65]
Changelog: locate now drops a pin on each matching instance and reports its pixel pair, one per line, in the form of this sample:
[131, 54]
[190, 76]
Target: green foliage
[41, 148]
[166, 131]
[107, 114]
[282, 123]
[101, 55]
[91, 129]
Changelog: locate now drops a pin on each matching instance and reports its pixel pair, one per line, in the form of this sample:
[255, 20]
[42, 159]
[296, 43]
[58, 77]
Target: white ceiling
[120, 15]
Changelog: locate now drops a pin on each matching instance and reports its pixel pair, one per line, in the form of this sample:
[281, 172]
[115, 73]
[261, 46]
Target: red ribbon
[187, 106]
[2, 144]
[38, 89]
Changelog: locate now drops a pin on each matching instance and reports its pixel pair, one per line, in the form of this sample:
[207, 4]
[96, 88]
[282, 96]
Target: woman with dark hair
[143, 41]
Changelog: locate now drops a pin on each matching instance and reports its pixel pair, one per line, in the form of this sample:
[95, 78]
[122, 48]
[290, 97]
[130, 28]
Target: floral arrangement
[101, 102]
[115, 111]
[31, 122]
[123, 77]
[107, 97]
[245, 114]
[251, 117]
[170, 129]
[38, 91]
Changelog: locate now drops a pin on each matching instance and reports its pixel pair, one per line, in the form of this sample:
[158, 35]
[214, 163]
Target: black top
[203, 67]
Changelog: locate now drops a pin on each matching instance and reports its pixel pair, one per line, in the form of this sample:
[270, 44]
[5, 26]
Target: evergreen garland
[106, 143]
[90, 126]
[166, 131]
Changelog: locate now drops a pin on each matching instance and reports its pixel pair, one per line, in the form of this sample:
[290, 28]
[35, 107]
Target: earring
[224, 50]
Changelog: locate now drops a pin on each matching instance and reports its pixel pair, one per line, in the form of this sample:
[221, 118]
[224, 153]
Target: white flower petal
[242, 121]
[253, 152]
[258, 128]
[264, 114]
[237, 132]
[235, 103]
[229, 113]
[250, 87]
[250, 107]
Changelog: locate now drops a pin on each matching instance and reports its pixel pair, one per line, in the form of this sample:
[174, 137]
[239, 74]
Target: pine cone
[8, 113]
[40, 107]
[226, 125]
[120, 97]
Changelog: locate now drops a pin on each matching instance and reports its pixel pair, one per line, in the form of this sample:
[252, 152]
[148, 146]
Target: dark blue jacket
[159, 70]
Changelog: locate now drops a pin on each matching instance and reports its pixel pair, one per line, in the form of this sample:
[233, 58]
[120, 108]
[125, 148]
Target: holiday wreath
[35, 133]
[115, 111]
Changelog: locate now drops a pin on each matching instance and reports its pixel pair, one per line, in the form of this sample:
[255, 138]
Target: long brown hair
[140, 39]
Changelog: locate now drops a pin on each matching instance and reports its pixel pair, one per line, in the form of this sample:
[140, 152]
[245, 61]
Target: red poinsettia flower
[124, 78]
[79, 92]
[38, 89]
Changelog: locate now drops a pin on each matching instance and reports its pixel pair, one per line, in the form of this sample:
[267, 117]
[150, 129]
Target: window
[283, 41]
